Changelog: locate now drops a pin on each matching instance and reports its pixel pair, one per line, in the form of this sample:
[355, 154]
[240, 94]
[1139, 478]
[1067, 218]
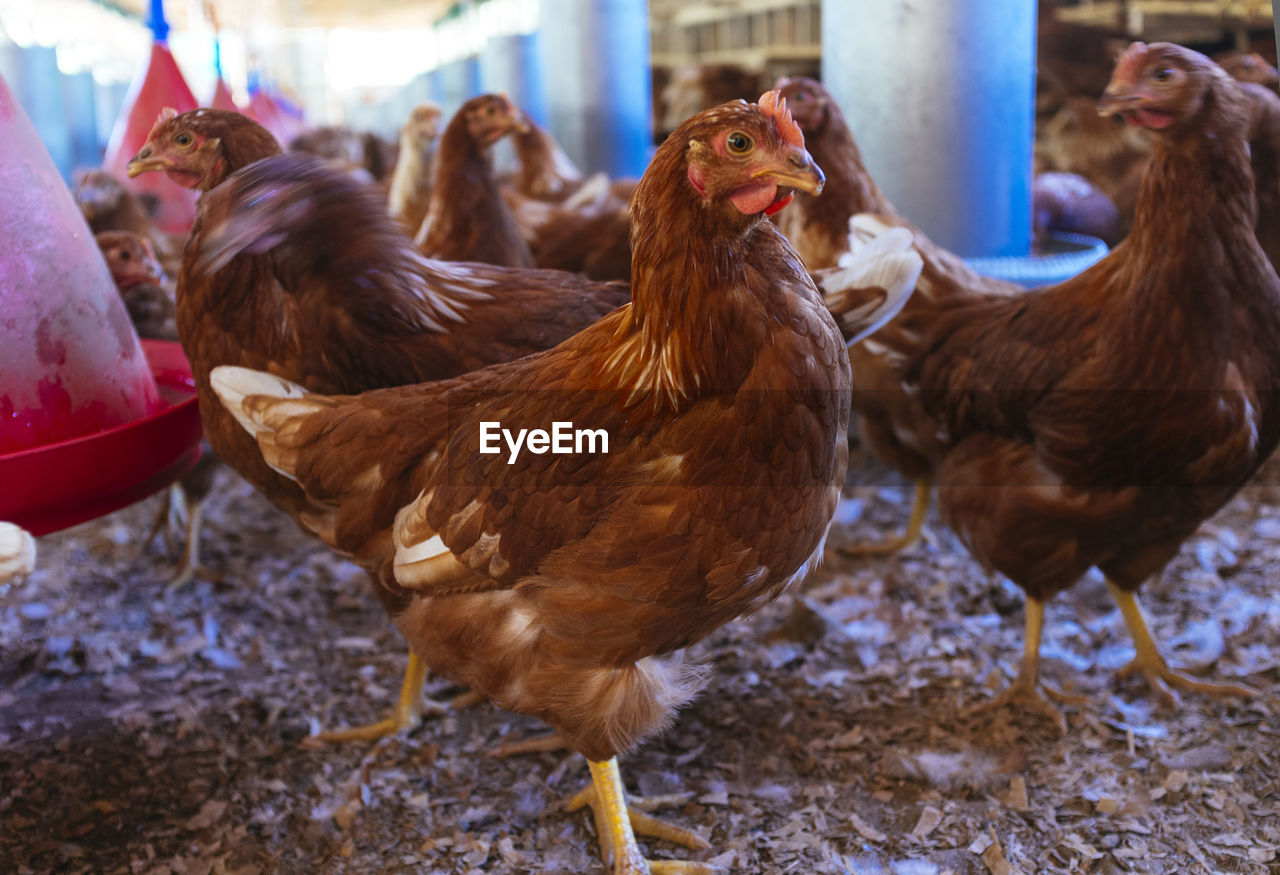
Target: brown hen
[892, 423]
[467, 219]
[561, 585]
[1098, 422]
[410, 194]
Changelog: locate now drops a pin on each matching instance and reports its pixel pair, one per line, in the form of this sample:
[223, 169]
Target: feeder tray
[71, 481]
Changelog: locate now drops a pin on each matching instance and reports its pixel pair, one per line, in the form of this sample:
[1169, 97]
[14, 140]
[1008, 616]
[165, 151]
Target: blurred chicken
[467, 219]
[545, 171]
[141, 282]
[108, 206]
[692, 88]
[1264, 155]
[1249, 67]
[1105, 151]
[1069, 202]
[149, 298]
[561, 585]
[589, 233]
[819, 229]
[411, 183]
[17, 553]
[1098, 422]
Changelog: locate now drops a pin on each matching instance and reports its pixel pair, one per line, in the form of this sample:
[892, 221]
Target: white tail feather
[17, 552]
[234, 384]
[886, 261]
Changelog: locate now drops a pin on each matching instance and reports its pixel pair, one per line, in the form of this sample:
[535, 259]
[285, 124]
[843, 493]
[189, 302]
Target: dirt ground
[151, 732]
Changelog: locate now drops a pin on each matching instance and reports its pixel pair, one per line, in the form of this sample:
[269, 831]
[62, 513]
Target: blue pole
[940, 97]
[597, 73]
[513, 63]
[159, 26]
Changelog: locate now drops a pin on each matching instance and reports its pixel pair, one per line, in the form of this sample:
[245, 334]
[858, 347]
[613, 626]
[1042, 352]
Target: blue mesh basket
[1065, 256]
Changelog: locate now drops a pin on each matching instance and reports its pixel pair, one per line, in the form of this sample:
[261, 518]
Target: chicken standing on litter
[561, 585]
[1100, 421]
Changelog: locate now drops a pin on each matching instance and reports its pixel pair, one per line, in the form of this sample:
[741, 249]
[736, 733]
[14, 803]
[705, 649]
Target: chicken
[545, 170]
[467, 219]
[1105, 151]
[694, 87]
[1249, 67]
[401, 319]
[1264, 154]
[1069, 202]
[819, 229]
[590, 233]
[561, 585]
[141, 282]
[108, 206]
[149, 298]
[411, 181]
[17, 554]
[1098, 422]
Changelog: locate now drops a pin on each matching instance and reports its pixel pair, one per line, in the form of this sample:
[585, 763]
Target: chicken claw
[919, 510]
[619, 818]
[536, 744]
[1151, 664]
[406, 716]
[1027, 688]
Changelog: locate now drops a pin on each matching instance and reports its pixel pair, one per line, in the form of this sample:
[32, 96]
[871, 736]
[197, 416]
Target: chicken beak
[145, 161]
[797, 171]
[1117, 100]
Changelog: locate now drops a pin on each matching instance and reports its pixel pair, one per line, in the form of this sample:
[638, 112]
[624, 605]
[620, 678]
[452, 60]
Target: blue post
[513, 63]
[459, 82]
[157, 22]
[940, 97]
[597, 65]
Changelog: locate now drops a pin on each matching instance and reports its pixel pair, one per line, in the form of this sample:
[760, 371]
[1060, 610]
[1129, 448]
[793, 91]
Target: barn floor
[146, 732]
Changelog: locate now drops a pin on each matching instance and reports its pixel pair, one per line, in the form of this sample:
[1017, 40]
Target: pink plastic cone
[222, 98]
[159, 85]
[70, 362]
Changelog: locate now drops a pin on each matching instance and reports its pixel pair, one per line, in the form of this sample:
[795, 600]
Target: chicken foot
[1151, 664]
[919, 510]
[619, 818]
[1027, 689]
[189, 566]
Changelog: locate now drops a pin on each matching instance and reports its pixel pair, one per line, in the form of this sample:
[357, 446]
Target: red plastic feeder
[71, 481]
[71, 367]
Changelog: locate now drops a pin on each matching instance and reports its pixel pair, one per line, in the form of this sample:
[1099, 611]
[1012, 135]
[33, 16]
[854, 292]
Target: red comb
[165, 114]
[774, 105]
[1129, 65]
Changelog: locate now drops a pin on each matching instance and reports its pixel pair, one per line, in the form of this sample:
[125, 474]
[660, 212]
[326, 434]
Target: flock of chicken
[351, 344]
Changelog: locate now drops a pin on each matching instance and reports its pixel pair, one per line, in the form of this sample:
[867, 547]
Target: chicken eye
[1164, 74]
[739, 143]
[124, 256]
[183, 139]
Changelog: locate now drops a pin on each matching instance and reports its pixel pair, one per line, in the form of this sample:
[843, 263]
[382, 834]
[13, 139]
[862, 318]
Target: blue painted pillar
[940, 98]
[459, 82]
[597, 72]
[513, 63]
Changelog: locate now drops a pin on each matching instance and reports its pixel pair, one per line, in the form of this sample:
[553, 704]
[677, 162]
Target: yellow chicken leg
[919, 510]
[1027, 688]
[406, 716]
[1147, 658]
[617, 821]
[189, 565]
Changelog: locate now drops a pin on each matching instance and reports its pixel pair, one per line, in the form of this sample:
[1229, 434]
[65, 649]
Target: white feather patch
[234, 384]
[888, 262]
[17, 552]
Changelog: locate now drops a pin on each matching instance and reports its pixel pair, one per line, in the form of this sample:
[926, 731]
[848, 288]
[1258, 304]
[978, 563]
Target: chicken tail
[266, 406]
[873, 282]
[17, 552]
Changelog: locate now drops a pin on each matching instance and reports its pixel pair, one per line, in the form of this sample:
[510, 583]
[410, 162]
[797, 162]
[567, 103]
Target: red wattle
[776, 206]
